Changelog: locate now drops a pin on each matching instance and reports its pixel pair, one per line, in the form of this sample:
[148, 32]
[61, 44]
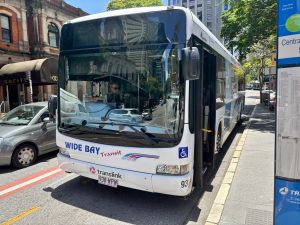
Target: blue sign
[183, 152]
[287, 202]
[288, 32]
[288, 17]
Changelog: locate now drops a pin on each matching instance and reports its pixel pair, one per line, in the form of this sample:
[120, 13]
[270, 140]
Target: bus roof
[123, 12]
[194, 26]
[204, 34]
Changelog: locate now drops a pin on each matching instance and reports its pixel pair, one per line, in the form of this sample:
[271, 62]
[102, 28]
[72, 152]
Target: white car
[147, 114]
[125, 115]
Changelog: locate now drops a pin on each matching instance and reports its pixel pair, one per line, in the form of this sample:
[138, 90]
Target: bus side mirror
[191, 63]
[52, 106]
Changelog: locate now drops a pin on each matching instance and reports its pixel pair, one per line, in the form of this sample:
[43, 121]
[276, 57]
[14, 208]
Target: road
[42, 194]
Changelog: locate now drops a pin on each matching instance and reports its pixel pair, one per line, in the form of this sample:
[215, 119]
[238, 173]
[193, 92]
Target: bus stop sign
[287, 154]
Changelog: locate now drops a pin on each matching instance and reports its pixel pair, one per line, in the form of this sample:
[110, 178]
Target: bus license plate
[108, 181]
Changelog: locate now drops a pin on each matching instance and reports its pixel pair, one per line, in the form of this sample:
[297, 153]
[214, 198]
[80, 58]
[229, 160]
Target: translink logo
[284, 191]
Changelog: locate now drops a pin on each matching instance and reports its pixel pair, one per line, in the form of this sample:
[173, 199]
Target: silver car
[25, 133]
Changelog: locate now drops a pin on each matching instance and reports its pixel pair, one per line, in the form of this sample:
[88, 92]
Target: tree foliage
[259, 58]
[154, 88]
[122, 4]
[247, 22]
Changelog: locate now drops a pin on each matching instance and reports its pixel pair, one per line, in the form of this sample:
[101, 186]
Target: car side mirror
[191, 63]
[46, 120]
[52, 106]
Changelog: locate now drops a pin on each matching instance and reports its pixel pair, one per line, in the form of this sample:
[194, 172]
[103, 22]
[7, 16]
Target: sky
[93, 6]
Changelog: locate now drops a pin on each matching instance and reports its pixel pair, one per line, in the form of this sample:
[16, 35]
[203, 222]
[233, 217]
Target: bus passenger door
[195, 120]
[209, 108]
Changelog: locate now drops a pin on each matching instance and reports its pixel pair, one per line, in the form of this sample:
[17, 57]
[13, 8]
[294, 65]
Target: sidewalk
[250, 197]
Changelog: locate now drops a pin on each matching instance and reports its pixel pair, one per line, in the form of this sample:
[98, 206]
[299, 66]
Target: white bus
[153, 98]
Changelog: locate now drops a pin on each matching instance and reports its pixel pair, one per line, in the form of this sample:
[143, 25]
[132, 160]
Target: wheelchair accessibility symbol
[183, 152]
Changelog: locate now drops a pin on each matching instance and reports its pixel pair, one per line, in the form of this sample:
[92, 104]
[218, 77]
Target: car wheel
[24, 155]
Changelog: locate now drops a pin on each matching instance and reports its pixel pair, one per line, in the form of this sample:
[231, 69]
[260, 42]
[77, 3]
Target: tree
[122, 4]
[246, 22]
[154, 88]
[239, 75]
[259, 58]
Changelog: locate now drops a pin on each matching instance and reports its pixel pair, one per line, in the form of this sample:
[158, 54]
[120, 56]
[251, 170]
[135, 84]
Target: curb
[219, 202]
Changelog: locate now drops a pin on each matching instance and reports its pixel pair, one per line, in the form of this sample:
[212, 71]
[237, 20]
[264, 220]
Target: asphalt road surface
[43, 194]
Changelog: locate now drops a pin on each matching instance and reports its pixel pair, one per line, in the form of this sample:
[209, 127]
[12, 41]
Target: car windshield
[22, 115]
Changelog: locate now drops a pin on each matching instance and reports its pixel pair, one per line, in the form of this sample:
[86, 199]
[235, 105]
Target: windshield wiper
[70, 127]
[76, 127]
[141, 132]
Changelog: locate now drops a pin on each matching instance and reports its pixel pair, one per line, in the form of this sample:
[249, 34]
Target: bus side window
[220, 83]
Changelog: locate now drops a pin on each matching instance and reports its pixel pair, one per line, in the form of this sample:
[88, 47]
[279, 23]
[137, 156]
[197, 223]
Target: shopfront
[28, 81]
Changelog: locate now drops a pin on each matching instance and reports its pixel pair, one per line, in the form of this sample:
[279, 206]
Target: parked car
[147, 114]
[26, 133]
[125, 115]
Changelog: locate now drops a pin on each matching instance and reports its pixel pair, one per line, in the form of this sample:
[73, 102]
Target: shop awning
[43, 71]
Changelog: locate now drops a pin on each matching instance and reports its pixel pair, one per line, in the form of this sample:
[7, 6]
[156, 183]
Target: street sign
[287, 202]
[287, 154]
[288, 123]
[288, 32]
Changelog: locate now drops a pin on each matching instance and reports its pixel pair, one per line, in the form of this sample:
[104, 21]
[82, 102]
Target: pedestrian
[114, 96]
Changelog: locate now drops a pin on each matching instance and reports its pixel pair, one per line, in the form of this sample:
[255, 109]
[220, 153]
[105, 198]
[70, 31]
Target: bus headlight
[172, 169]
[64, 152]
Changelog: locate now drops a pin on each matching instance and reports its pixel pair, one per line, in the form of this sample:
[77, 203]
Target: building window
[209, 25]
[5, 28]
[199, 14]
[53, 35]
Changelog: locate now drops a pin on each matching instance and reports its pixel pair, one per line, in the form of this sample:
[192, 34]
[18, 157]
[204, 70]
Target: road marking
[21, 216]
[222, 194]
[27, 182]
[215, 213]
[62, 180]
[13, 183]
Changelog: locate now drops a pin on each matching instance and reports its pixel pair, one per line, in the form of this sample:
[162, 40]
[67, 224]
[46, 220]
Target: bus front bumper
[164, 184]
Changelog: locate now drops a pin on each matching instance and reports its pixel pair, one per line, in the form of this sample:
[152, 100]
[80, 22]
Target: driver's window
[43, 116]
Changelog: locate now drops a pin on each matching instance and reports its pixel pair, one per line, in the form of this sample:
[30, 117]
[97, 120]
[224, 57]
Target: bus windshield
[132, 90]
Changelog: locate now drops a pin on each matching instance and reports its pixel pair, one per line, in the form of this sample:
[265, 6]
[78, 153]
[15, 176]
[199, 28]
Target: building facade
[208, 11]
[30, 29]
